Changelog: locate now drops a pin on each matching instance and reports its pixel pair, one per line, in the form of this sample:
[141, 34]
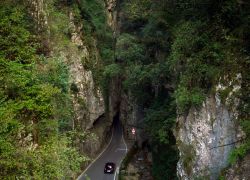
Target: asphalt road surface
[114, 152]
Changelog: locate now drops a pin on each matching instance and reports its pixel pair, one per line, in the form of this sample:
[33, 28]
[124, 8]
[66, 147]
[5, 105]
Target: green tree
[33, 90]
[128, 49]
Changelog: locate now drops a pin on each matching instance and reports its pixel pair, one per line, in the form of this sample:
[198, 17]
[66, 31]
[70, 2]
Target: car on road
[109, 168]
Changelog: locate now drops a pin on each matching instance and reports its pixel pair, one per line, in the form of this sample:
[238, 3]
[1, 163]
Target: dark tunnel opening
[116, 119]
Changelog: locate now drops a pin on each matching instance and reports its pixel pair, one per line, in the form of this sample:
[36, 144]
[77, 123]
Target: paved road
[114, 152]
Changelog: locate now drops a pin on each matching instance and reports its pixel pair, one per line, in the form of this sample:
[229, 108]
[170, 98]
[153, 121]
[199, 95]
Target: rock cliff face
[206, 136]
[38, 10]
[111, 13]
[87, 98]
[115, 85]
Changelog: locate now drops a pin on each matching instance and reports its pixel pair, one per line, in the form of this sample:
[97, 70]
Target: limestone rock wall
[87, 98]
[38, 10]
[111, 13]
[206, 136]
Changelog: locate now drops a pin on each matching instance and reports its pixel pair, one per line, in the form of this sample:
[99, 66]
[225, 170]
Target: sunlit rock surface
[88, 100]
[206, 135]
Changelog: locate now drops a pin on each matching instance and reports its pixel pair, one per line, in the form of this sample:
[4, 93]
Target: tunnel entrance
[116, 119]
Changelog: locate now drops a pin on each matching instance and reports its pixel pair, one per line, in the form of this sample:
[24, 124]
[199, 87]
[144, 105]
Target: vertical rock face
[206, 136]
[38, 9]
[114, 97]
[88, 102]
[111, 13]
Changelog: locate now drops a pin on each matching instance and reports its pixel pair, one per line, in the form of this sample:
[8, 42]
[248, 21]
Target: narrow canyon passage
[114, 152]
[77, 77]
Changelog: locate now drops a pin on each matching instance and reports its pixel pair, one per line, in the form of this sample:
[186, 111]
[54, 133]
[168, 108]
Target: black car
[109, 168]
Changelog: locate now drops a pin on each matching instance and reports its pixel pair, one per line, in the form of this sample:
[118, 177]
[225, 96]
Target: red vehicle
[109, 168]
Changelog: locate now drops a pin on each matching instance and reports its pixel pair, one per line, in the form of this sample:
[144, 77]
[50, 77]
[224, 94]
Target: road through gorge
[114, 152]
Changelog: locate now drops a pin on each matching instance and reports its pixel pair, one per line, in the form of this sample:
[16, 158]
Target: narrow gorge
[175, 74]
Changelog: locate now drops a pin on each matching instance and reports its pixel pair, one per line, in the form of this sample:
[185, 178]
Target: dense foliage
[35, 108]
[170, 54]
[174, 53]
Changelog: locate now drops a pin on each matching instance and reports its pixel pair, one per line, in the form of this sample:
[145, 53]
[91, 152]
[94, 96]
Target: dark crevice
[116, 119]
[99, 120]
